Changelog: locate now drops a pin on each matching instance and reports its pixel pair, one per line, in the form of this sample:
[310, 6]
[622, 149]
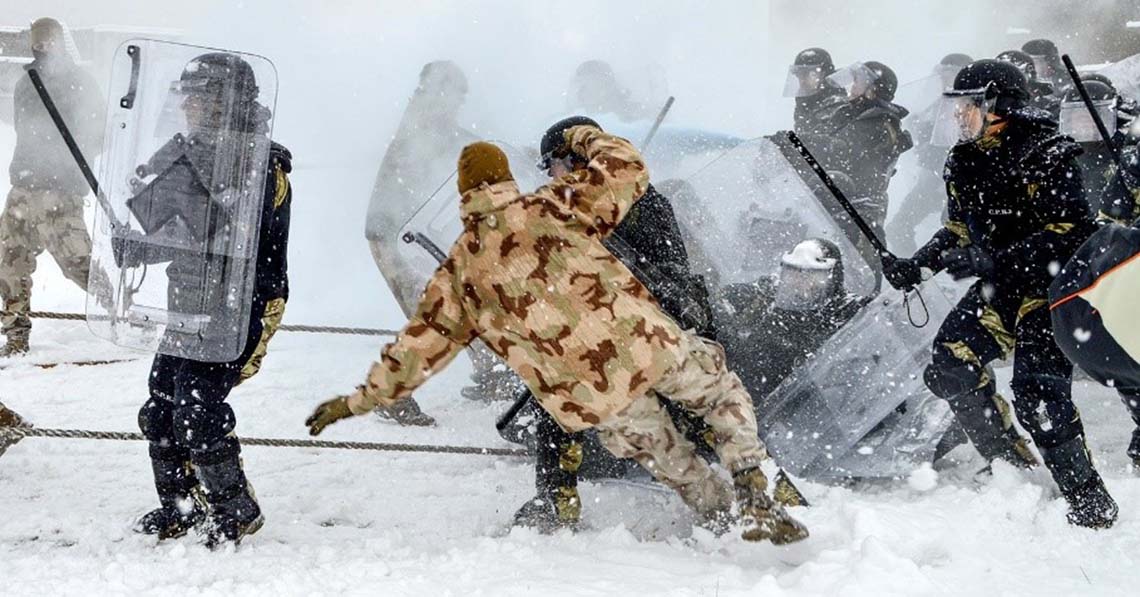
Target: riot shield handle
[128, 100]
[72, 146]
[1105, 136]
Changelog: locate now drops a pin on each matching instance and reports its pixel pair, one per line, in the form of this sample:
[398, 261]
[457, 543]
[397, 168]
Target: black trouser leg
[1042, 388]
[975, 333]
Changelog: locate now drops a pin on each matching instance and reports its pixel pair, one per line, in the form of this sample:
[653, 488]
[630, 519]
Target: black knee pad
[950, 381]
[156, 421]
[199, 426]
[1045, 408]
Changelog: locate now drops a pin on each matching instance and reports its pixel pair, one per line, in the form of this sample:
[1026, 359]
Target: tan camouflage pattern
[702, 384]
[270, 323]
[531, 278]
[34, 221]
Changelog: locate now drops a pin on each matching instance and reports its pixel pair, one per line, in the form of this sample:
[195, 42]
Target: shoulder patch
[281, 182]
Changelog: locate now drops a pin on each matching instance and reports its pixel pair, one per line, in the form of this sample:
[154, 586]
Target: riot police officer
[1017, 211]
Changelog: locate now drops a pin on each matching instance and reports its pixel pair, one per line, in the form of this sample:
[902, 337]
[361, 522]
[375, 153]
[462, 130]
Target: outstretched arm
[614, 178]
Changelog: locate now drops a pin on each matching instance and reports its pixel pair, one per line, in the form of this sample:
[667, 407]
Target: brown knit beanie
[480, 163]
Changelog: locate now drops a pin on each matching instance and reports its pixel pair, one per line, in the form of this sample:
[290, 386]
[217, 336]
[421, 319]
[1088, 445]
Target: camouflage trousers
[703, 385]
[34, 221]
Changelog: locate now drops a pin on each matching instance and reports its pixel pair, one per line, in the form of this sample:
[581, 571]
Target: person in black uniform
[808, 84]
[771, 326]
[1017, 212]
[862, 139]
[194, 455]
[1042, 93]
[1097, 166]
[648, 241]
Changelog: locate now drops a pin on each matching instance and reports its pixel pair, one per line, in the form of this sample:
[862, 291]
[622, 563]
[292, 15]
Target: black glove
[969, 262]
[902, 274]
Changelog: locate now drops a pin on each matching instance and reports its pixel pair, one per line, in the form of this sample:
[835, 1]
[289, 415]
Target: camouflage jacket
[531, 278]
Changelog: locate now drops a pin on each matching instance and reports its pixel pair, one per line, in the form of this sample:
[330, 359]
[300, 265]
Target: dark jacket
[764, 343]
[862, 139]
[807, 115]
[1018, 196]
[648, 241]
[273, 244]
[41, 159]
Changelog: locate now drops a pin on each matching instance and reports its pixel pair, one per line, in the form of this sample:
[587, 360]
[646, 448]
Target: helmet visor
[799, 289]
[1077, 122]
[855, 79]
[803, 80]
[961, 118]
[1043, 65]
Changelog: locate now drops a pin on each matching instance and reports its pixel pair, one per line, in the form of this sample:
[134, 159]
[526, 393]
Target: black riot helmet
[1021, 60]
[214, 72]
[816, 57]
[1045, 56]
[553, 145]
[807, 73]
[886, 81]
[993, 79]
[955, 59]
[1040, 47]
[1097, 90]
[1098, 77]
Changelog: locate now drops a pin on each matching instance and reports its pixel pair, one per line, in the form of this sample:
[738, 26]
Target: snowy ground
[399, 524]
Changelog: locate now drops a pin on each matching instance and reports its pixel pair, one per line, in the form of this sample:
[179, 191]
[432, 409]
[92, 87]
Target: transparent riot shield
[859, 407]
[184, 173]
[750, 205]
[1125, 76]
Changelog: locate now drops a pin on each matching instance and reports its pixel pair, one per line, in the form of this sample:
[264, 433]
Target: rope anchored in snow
[16, 433]
[311, 329]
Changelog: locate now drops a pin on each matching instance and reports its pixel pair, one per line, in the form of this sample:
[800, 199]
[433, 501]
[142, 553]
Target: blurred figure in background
[808, 83]
[45, 205]
[421, 154]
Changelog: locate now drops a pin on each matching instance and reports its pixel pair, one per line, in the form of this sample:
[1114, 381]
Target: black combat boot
[762, 517]
[182, 507]
[1090, 504]
[1134, 448]
[557, 504]
[234, 511]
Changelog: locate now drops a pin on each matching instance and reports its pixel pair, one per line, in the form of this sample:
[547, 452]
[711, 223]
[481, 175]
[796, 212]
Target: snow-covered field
[400, 524]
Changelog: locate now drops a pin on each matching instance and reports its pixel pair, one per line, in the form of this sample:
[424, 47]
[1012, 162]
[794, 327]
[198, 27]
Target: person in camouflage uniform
[532, 279]
[44, 210]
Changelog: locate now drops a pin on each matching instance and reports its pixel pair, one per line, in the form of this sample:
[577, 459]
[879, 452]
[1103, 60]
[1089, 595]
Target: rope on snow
[311, 329]
[16, 433]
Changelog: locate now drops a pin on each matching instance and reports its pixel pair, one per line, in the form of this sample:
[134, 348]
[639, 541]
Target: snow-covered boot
[15, 345]
[405, 412]
[1090, 504]
[9, 418]
[762, 517]
[234, 511]
[557, 504]
[786, 493]
[182, 507]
